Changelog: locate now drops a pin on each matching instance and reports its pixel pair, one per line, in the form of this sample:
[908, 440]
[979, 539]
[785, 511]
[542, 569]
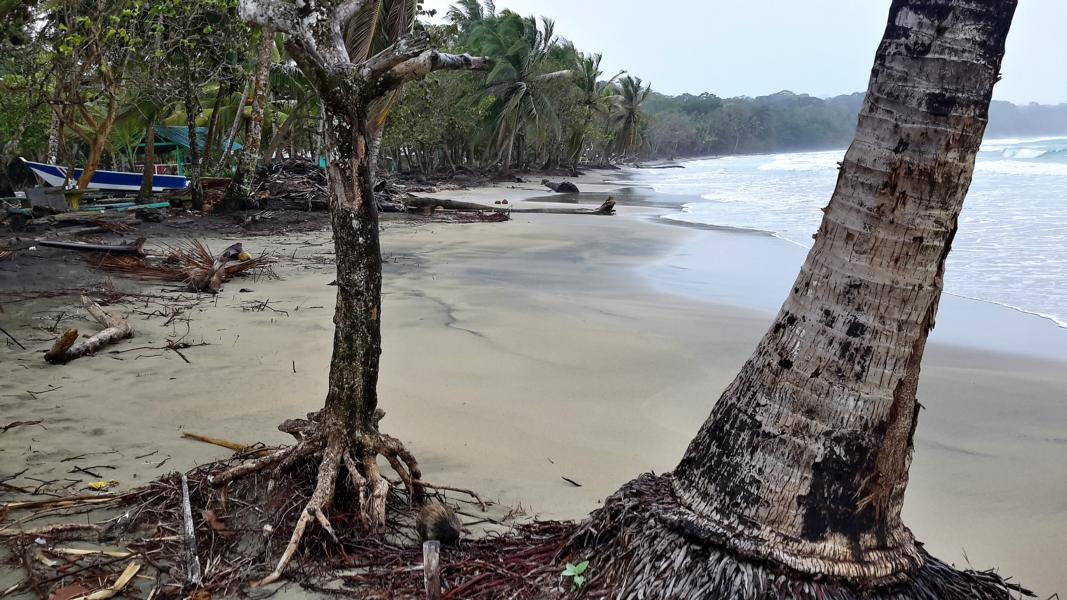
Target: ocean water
[1011, 247]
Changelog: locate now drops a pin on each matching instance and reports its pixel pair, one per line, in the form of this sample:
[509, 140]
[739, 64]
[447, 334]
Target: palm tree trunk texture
[192, 111]
[213, 124]
[149, 170]
[801, 467]
[239, 192]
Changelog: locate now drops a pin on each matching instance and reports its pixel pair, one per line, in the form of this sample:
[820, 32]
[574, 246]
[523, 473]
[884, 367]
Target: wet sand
[519, 353]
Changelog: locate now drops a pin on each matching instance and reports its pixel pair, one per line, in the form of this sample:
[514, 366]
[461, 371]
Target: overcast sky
[757, 47]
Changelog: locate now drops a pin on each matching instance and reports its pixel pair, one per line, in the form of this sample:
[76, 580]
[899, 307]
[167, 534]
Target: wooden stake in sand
[67, 347]
[431, 569]
[190, 535]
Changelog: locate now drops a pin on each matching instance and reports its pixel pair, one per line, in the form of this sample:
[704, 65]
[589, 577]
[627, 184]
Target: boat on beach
[55, 175]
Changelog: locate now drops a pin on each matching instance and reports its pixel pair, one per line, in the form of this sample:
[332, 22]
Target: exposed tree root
[633, 549]
[637, 550]
[360, 458]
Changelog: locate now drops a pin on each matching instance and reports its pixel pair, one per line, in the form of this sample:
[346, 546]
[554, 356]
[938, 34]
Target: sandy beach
[549, 346]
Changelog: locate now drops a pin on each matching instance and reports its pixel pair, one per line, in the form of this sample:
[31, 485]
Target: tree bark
[236, 123]
[149, 169]
[346, 431]
[213, 124]
[192, 111]
[239, 192]
[804, 460]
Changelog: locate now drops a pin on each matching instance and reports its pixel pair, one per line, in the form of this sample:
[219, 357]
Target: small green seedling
[575, 572]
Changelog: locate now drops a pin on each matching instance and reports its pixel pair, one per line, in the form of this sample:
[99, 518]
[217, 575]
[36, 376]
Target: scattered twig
[571, 481]
[17, 343]
[4, 428]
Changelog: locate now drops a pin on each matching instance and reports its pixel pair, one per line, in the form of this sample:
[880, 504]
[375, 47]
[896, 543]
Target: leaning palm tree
[628, 119]
[794, 486]
[520, 109]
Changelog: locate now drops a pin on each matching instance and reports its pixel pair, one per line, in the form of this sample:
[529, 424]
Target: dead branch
[607, 208]
[115, 329]
[135, 248]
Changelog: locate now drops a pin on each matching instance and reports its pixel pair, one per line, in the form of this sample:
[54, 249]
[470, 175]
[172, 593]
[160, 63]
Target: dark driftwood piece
[607, 208]
[135, 248]
[67, 348]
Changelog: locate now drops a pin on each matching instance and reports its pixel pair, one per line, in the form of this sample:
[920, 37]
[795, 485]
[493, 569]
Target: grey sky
[821, 47]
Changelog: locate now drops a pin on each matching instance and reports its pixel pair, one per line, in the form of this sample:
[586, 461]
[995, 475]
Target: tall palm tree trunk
[196, 162]
[148, 171]
[801, 467]
[239, 192]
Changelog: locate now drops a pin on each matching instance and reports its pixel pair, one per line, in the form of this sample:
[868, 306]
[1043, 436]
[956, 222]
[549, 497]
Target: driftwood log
[67, 347]
[135, 248]
[607, 208]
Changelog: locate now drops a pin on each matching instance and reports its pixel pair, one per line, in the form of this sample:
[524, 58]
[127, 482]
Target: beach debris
[570, 481]
[101, 486]
[214, 522]
[120, 584]
[194, 265]
[49, 530]
[193, 573]
[135, 248]
[67, 348]
[69, 592]
[5, 428]
[293, 184]
[562, 187]
[427, 205]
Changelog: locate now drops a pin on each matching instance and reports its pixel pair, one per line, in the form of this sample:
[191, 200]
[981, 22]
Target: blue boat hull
[106, 180]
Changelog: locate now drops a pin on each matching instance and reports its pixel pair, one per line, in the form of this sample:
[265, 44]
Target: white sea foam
[1022, 167]
[1010, 249]
[806, 161]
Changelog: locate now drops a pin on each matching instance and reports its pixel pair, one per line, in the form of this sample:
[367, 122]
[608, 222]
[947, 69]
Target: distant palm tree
[520, 107]
[628, 119]
[597, 98]
[467, 14]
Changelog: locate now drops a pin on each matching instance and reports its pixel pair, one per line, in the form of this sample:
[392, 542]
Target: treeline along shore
[109, 86]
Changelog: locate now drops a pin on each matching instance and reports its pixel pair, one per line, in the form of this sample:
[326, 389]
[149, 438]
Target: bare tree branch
[405, 48]
[426, 63]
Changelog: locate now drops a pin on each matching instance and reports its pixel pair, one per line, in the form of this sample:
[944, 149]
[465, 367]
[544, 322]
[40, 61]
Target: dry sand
[519, 353]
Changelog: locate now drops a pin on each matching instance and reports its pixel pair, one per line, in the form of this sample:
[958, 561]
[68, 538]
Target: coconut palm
[520, 109]
[467, 14]
[597, 98]
[794, 486]
[628, 119]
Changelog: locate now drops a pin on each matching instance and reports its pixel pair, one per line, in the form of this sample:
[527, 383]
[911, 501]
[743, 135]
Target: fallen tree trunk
[135, 248]
[115, 329]
[607, 208]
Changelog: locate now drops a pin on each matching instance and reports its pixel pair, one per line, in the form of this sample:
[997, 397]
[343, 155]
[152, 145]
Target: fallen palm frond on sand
[193, 265]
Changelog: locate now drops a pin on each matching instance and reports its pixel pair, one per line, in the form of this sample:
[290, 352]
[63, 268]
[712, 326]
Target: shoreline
[1005, 329]
[522, 352]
